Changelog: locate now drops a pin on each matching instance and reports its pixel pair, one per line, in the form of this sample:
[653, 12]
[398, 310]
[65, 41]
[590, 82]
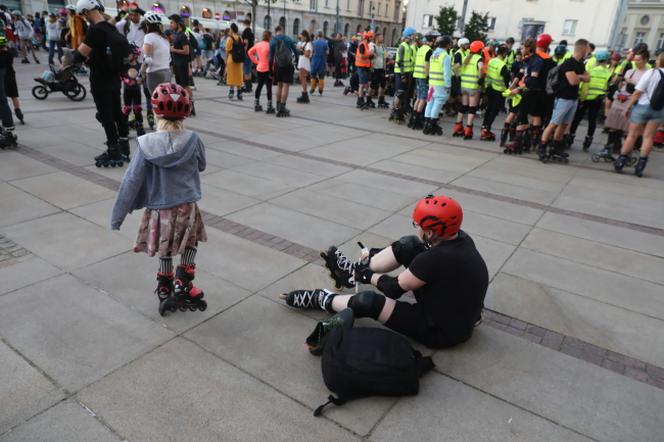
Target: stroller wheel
[40, 92]
[77, 93]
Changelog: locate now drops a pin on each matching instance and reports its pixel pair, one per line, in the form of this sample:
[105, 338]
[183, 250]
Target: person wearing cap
[561, 54]
[420, 74]
[131, 26]
[591, 103]
[363, 57]
[572, 73]
[404, 65]
[440, 81]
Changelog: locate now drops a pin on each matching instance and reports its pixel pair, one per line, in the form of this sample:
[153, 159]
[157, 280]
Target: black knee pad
[367, 304]
[464, 109]
[472, 110]
[406, 248]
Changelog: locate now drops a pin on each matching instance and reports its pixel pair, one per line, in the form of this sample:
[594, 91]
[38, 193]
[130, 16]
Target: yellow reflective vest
[495, 79]
[408, 62]
[470, 73]
[437, 69]
[599, 82]
[420, 61]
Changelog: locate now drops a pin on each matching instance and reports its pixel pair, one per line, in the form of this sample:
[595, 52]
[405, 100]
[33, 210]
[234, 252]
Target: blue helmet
[602, 55]
[408, 32]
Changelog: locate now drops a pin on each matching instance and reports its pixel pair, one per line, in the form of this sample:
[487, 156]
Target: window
[360, 8]
[313, 5]
[326, 27]
[380, 6]
[347, 6]
[346, 29]
[427, 22]
[397, 6]
[296, 26]
[371, 8]
[492, 23]
[660, 41]
[282, 23]
[387, 9]
[640, 37]
[394, 36]
[312, 26]
[645, 20]
[569, 27]
[267, 22]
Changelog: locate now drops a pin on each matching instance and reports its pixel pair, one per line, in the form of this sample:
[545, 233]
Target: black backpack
[363, 362]
[657, 98]
[193, 45]
[553, 83]
[283, 56]
[237, 51]
[117, 50]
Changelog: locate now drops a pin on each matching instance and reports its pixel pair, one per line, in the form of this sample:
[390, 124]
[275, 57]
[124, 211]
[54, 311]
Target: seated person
[444, 270]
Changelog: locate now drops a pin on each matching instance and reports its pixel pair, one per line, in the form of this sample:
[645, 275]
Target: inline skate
[341, 268]
[257, 106]
[308, 299]
[111, 157]
[7, 139]
[553, 152]
[164, 285]
[458, 129]
[185, 295]
[382, 104]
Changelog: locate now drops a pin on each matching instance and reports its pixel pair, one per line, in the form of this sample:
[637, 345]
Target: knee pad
[464, 109]
[406, 248]
[126, 110]
[472, 110]
[367, 304]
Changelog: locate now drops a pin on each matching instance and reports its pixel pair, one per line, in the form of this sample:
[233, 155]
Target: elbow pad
[390, 287]
[78, 57]
[147, 61]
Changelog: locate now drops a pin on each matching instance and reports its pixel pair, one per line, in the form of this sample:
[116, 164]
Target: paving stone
[364, 194]
[66, 421]
[594, 402]
[244, 184]
[25, 271]
[74, 333]
[213, 401]
[15, 166]
[507, 189]
[429, 418]
[24, 391]
[17, 206]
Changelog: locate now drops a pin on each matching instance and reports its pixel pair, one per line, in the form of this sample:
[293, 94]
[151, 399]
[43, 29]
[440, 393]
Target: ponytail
[467, 59]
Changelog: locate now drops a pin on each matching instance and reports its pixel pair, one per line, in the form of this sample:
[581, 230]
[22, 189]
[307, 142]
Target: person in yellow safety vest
[440, 81]
[420, 74]
[497, 79]
[404, 64]
[561, 54]
[510, 58]
[457, 60]
[513, 96]
[363, 58]
[600, 75]
[471, 72]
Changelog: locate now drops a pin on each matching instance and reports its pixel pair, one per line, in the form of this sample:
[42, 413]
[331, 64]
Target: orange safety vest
[542, 54]
[363, 60]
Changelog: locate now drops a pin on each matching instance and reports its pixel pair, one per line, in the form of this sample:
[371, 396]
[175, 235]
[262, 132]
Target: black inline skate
[304, 98]
[123, 143]
[309, 299]
[164, 286]
[554, 152]
[257, 106]
[282, 112]
[586, 143]
[341, 268]
[270, 109]
[360, 104]
[640, 166]
[151, 121]
[7, 139]
[435, 127]
[370, 103]
[426, 130]
[185, 295]
[140, 130]
[112, 157]
[382, 104]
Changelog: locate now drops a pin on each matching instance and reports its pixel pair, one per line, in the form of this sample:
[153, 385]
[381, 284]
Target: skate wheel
[182, 308]
[192, 308]
[595, 158]
[202, 306]
[506, 151]
[97, 164]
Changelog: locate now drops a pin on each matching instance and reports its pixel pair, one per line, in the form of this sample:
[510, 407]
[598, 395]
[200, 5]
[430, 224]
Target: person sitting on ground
[446, 273]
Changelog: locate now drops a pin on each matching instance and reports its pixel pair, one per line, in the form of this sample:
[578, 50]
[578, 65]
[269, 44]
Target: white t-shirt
[134, 34]
[303, 61]
[648, 83]
[161, 52]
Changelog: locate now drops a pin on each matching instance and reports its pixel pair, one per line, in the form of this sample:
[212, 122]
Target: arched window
[326, 27]
[346, 29]
[296, 26]
[282, 23]
[185, 11]
[359, 29]
[312, 26]
[394, 37]
[384, 32]
[267, 23]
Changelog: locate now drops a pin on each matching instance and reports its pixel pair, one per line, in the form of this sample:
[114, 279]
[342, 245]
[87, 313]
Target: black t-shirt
[456, 279]
[180, 41]
[101, 74]
[248, 37]
[567, 91]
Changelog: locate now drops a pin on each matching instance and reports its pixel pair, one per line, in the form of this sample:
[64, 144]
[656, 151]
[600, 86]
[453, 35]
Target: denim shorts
[363, 75]
[563, 111]
[422, 89]
[643, 113]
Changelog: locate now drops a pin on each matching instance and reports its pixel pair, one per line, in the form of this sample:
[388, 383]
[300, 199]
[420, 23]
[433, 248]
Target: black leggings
[592, 107]
[132, 102]
[495, 101]
[264, 78]
[109, 114]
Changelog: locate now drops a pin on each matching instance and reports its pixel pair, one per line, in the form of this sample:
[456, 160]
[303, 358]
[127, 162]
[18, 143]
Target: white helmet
[152, 17]
[16, 13]
[71, 7]
[83, 6]
[463, 41]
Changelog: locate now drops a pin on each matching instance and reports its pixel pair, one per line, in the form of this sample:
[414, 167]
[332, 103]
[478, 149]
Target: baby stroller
[63, 81]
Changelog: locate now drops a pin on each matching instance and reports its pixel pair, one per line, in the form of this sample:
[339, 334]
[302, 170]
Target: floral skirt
[167, 232]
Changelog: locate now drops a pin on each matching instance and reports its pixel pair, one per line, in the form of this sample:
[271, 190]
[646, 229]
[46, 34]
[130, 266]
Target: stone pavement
[572, 346]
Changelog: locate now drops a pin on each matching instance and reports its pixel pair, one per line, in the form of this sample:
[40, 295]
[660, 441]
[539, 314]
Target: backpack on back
[117, 50]
[553, 83]
[237, 51]
[657, 98]
[283, 56]
[363, 362]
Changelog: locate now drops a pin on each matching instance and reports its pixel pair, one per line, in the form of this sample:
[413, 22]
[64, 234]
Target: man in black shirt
[7, 54]
[104, 82]
[571, 73]
[180, 55]
[248, 39]
[444, 270]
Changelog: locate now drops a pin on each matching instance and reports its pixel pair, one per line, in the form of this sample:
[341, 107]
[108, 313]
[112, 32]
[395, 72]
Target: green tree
[477, 27]
[447, 20]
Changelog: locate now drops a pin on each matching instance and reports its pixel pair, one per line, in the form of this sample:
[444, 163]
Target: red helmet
[368, 34]
[171, 101]
[441, 214]
[476, 47]
[544, 40]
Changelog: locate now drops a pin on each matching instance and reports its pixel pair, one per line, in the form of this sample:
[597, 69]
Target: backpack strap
[338, 401]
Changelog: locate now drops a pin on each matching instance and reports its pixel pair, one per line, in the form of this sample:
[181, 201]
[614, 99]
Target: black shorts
[378, 79]
[535, 104]
[182, 77]
[11, 89]
[284, 75]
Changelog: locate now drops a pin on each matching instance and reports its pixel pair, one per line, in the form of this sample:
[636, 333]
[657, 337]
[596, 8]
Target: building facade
[643, 23]
[386, 16]
[563, 19]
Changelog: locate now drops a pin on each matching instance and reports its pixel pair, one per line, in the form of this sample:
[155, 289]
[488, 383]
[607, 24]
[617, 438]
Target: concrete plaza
[572, 346]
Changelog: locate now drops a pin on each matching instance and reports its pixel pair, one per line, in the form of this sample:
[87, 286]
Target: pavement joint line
[300, 251]
[440, 184]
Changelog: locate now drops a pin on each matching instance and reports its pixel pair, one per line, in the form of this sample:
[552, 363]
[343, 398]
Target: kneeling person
[444, 270]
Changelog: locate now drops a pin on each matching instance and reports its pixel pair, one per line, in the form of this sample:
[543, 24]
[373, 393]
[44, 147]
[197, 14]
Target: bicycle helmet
[134, 50]
[16, 13]
[70, 7]
[560, 51]
[443, 41]
[408, 32]
[83, 6]
[171, 101]
[476, 47]
[463, 41]
[440, 214]
[602, 55]
[152, 17]
[431, 36]
[544, 40]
